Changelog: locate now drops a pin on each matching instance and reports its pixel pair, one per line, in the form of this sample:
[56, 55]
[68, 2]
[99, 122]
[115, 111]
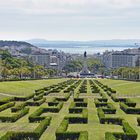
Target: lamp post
[137, 45]
[139, 67]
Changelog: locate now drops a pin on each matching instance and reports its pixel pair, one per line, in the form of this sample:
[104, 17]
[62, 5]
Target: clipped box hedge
[62, 133]
[6, 100]
[33, 135]
[18, 107]
[138, 120]
[64, 98]
[14, 117]
[6, 105]
[24, 98]
[129, 133]
[129, 110]
[36, 103]
[36, 116]
[109, 120]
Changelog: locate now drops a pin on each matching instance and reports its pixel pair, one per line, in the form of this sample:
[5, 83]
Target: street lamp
[139, 67]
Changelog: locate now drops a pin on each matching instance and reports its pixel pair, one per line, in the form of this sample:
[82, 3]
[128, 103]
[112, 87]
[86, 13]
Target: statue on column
[85, 72]
[85, 54]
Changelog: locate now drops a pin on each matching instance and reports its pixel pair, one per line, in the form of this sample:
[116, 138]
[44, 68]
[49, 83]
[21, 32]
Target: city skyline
[69, 20]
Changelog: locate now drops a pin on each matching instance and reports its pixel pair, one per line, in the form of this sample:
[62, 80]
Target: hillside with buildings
[47, 58]
[20, 48]
[116, 59]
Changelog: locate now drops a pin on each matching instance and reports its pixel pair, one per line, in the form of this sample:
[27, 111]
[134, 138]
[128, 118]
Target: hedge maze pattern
[71, 110]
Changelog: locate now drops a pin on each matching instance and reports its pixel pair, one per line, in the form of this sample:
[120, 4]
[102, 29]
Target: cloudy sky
[69, 19]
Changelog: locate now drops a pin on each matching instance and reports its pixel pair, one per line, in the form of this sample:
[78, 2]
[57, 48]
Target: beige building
[40, 59]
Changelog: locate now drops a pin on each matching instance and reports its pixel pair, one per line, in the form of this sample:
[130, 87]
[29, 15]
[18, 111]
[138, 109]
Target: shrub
[129, 110]
[39, 91]
[38, 97]
[35, 116]
[138, 120]
[109, 136]
[83, 135]
[54, 109]
[116, 99]
[64, 98]
[108, 120]
[62, 133]
[24, 98]
[101, 114]
[80, 104]
[6, 100]
[42, 126]
[36, 103]
[18, 107]
[14, 117]
[129, 133]
[11, 135]
[6, 105]
[78, 99]
[63, 126]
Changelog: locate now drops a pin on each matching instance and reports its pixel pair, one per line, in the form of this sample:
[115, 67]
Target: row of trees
[94, 65]
[127, 73]
[19, 68]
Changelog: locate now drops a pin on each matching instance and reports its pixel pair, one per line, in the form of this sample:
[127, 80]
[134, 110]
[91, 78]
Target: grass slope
[96, 131]
[24, 88]
[123, 87]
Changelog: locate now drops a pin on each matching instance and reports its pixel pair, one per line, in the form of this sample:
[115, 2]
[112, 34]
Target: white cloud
[69, 18]
[43, 7]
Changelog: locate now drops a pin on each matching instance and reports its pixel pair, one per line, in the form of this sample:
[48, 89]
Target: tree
[5, 72]
[73, 66]
[94, 65]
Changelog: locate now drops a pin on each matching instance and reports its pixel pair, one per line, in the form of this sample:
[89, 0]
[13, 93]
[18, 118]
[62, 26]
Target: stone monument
[85, 71]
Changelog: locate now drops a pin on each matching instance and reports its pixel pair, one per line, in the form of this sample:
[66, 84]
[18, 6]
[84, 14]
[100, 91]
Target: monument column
[85, 68]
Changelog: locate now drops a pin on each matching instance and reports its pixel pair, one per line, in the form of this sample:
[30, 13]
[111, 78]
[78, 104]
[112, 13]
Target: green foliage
[6, 100]
[83, 135]
[14, 117]
[6, 105]
[35, 135]
[73, 66]
[127, 108]
[5, 54]
[42, 126]
[63, 126]
[138, 120]
[109, 136]
[18, 68]
[127, 73]
[129, 133]
[76, 65]
[62, 133]
[36, 102]
[18, 107]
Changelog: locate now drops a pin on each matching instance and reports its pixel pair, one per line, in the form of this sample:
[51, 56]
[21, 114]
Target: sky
[69, 19]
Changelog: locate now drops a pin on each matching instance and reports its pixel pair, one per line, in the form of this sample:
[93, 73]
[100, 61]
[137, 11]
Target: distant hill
[95, 43]
[14, 43]
[19, 47]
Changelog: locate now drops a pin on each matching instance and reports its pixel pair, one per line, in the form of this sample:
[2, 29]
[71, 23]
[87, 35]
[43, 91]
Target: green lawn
[24, 88]
[123, 87]
[96, 131]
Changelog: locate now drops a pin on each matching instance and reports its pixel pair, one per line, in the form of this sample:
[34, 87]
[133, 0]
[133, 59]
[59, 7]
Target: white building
[40, 59]
[119, 59]
[52, 59]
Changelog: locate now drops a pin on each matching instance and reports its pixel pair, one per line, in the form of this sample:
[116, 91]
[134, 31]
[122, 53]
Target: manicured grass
[24, 88]
[123, 87]
[96, 131]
